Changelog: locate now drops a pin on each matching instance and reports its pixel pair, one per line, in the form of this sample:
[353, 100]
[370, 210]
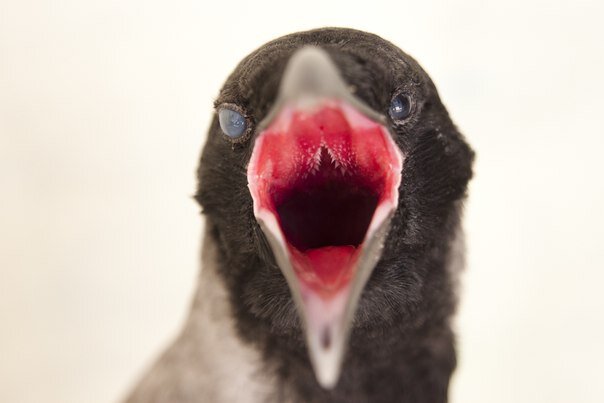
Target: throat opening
[326, 211]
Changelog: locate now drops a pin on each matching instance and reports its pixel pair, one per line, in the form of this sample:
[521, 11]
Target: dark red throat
[322, 173]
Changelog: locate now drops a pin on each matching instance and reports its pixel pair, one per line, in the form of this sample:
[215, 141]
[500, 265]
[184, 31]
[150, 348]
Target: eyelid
[232, 106]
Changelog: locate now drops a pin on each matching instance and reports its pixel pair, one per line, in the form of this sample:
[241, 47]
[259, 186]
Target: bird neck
[410, 361]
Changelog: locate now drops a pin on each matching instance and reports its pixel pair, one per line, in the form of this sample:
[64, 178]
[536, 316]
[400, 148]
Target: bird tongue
[326, 270]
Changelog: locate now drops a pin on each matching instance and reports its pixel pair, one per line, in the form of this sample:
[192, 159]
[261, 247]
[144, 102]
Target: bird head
[330, 170]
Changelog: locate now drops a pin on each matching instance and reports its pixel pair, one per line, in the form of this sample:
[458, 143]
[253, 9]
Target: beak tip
[326, 357]
[328, 382]
[327, 374]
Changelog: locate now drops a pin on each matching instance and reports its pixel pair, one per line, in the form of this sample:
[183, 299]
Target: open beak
[324, 176]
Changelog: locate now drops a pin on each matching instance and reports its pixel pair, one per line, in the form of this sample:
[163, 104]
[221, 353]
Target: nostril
[326, 338]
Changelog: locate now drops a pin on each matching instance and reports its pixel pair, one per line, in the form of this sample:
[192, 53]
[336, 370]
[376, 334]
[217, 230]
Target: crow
[332, 183]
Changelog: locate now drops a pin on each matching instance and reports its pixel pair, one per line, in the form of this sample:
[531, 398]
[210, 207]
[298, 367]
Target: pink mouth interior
[323, 173]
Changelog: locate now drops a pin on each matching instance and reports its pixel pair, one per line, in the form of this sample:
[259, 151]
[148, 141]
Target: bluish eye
[232, 123]
[400, 107]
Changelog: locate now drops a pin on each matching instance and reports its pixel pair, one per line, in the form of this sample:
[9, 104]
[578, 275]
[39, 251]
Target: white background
[103, 110]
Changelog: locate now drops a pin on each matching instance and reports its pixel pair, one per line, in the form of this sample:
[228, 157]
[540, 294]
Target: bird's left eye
[232, 123]
[400, 107]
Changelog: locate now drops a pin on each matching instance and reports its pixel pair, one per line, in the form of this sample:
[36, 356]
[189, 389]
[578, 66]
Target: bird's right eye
[232, 123]
[400, 107]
